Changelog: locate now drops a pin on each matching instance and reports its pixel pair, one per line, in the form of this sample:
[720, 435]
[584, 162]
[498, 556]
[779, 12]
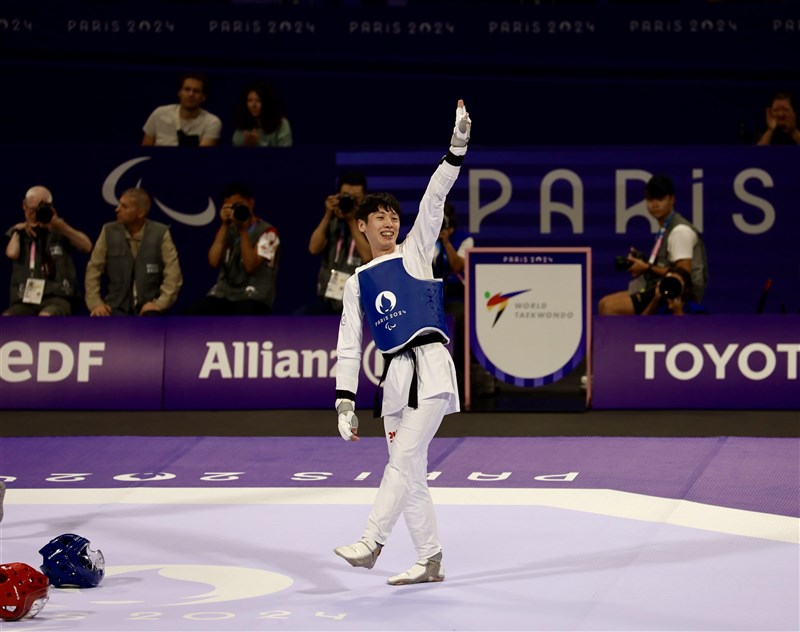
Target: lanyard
[32, 259]
[659, 239]
[339, 244]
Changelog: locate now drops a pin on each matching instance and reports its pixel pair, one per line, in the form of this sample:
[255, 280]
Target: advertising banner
[253, 363]
[696, 362]
[176, 363]
[527, 312]
[81, 363]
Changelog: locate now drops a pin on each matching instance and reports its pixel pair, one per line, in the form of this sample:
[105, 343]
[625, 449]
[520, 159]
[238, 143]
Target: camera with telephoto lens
[670, 287]
[347, 203]
[622, 263]
[241, 212]
[44, 213]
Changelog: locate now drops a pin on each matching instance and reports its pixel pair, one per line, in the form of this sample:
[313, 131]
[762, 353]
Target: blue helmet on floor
[69, 560]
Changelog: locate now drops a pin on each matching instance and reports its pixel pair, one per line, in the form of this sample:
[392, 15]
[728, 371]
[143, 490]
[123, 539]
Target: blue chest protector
[398, 306]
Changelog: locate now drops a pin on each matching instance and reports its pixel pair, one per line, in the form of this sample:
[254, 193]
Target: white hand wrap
[462, 127]
[348, 422]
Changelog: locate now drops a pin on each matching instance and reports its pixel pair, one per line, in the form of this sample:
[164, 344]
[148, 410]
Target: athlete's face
[381, 230]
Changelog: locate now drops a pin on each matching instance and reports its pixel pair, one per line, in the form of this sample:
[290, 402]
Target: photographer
[448, 264]
[673, 295]
[342, 246]
[246, 250]
[678, 243]
[43, 277]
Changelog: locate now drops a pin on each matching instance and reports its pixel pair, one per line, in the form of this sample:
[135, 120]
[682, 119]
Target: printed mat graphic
[210, 533]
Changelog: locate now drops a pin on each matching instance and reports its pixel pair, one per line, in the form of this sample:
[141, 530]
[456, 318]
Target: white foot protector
[363, 553]
[431, 570]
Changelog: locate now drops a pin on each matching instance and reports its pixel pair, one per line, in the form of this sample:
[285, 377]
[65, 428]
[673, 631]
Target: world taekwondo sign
[528, 313]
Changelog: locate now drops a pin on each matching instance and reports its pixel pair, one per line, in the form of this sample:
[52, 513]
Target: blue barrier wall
[744, 199]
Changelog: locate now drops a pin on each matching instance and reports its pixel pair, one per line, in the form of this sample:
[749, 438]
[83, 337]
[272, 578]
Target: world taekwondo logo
[500, 301]
[190, 219]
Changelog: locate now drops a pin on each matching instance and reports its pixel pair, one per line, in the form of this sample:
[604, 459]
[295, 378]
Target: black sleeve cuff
[345, 395]
[451, 159]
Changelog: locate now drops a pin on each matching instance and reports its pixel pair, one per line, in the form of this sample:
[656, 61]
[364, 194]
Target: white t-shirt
[681, 243]
[164, 122]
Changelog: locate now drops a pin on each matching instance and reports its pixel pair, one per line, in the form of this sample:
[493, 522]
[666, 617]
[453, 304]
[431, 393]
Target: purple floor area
[586, 533]
[757, 474]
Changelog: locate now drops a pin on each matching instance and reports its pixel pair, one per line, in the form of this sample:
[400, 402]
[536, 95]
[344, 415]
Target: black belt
[413, 402]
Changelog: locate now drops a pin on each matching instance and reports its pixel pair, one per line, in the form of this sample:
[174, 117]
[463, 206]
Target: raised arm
[428, 222]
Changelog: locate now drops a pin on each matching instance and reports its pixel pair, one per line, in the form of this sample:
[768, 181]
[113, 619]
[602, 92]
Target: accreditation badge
[335, 289]
[34, 291]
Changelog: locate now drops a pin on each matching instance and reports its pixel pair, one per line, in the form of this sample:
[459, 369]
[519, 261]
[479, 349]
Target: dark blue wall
[643, 73]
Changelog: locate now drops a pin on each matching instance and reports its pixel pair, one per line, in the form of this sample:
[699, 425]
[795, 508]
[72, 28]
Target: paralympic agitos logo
[190, 219]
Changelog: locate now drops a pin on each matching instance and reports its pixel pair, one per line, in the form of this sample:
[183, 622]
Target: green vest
[52, 262]
[699, 259]
[234, 283]
[146, 271]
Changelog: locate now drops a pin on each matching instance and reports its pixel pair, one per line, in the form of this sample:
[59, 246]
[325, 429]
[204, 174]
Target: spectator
[342, 246]
[246, 251]
[448, 264]
[260, 119]
[187, 123]
[781, 122]
[139, 260]
[678, 243]
[401, 302]
[674, 295]
[43, 277]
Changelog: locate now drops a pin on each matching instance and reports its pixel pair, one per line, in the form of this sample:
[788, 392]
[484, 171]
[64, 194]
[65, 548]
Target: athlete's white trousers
[404, 486]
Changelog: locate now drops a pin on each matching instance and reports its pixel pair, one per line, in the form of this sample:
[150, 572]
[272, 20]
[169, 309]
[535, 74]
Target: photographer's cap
[659, 186]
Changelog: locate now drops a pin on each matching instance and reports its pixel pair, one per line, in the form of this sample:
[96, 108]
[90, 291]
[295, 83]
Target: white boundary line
[604, 502]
